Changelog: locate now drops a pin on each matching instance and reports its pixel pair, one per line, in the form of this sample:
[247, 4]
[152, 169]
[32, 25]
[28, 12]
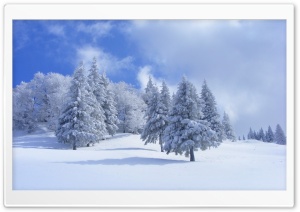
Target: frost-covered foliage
[261, 135]
[157, 112]
[79, 123]
[130, 107]
[185, 131]
[23, 108]
[109, 107]
[279, 136]
[96, 90]
[148, 91]
[250, 134]
[227, 128]
[210, 112]
[40, 100]
[269, 135]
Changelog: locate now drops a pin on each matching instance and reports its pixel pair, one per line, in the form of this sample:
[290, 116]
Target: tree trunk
[192, 156]
[88, 145]
[74, 146]
[161, 144]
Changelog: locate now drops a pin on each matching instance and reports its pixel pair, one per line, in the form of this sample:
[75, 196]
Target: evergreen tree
[210, 113]
[244, 137]
[261, 135]
[156, 119]
[78, 124]
[269, 135]
[109, 107]
[255, 135]
[250, 134]
[96, 89]
[148, 91]
[279, 136]
[185, 132]
[228, 131]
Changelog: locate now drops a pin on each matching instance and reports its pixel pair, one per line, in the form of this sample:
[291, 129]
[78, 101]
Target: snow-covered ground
[124, 162]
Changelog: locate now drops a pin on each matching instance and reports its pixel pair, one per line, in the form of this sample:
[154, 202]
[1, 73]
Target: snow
[124, 162]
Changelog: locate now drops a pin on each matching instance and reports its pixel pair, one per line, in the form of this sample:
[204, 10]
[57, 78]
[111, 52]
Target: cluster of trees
[268, 136]
[86, 107]
[45, 98]
[185, 123]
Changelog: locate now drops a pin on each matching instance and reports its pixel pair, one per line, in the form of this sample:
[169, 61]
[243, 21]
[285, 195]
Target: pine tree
[77, 124]
[269, 135]
[148, 91]
[279, 136]
[250, 134]
[157, 112]
[244, 138]
[109, 107]
[210, 113]
[96, 89]
[261, 135]
[185, 132]
[228, 131]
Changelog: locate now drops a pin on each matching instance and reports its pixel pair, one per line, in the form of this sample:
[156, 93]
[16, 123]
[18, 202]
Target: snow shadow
[129, 161]
[38, 142]
[126, 149]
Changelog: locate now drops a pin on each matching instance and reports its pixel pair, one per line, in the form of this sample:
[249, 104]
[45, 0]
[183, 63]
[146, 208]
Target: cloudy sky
[243, 62]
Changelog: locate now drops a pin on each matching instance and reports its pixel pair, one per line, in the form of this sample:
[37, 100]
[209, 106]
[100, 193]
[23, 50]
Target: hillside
[124, 162]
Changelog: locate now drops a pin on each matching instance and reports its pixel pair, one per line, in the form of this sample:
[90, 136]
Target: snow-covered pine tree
[279, 136]
[96, 89]
[250, 134]
[77, 124]
[148, 91]
[185, 132]
[23, 108]
[210, 112]
[261, 135]
[109, 107]
[157, 111]
[269, 135]
[228, 131]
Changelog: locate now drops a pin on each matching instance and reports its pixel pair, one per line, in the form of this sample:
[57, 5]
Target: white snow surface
[123, 162]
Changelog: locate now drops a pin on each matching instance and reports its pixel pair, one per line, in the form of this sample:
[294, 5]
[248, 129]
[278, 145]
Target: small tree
[279, 136]
[269, 135]
[250, 134]
[186, 132]
[228, 131]
[261, 135]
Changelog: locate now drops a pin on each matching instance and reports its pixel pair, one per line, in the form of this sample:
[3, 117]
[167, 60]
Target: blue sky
[243, 62]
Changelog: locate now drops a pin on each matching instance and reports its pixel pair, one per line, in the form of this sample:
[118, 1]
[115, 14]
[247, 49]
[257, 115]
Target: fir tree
[228, 131]
[210, 113]
[250, 134]
[156, 119]
[109, 107]
[244, 138]
[269, 135]
[97, 89]
[148, 91]
[261, 135]
[78, 124]
[185, 132]
[279, 136]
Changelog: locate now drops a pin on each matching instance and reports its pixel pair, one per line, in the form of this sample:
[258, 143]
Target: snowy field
[124, 162]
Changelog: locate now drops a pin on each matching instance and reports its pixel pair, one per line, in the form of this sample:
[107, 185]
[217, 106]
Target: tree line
[86, 107]
[268, 136]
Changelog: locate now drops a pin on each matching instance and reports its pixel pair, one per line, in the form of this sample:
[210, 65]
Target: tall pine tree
[109, 107]
[269, 135]
[78, 124]
[210, 113]
[185, 132]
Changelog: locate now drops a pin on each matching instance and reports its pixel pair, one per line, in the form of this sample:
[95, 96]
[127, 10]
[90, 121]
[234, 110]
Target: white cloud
[56, 29]
[96, 30]
[143, 77]
[106, 62]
